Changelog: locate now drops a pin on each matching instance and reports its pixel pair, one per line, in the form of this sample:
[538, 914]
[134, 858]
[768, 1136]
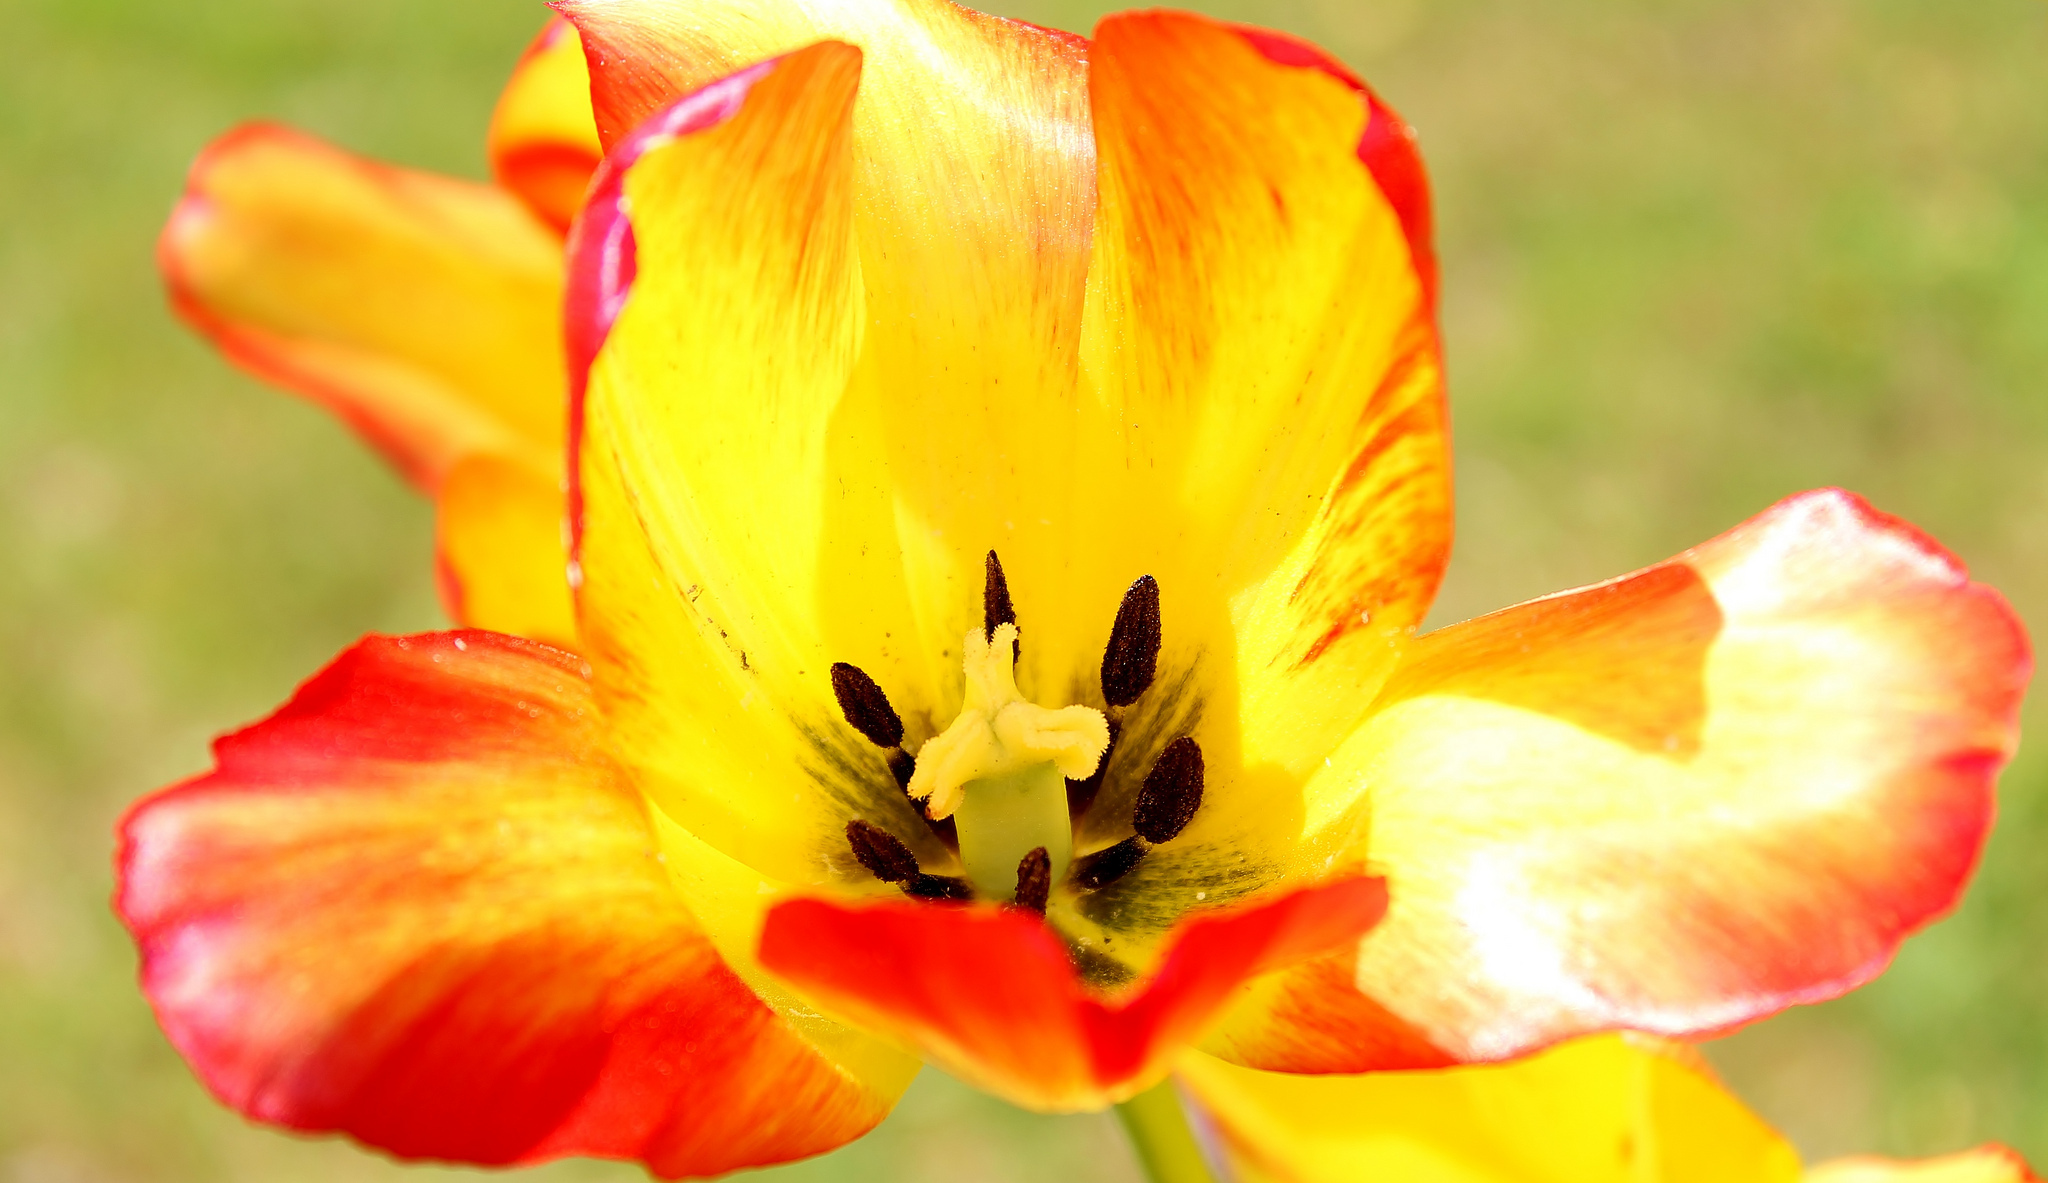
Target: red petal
[992, 995]
[420, 906]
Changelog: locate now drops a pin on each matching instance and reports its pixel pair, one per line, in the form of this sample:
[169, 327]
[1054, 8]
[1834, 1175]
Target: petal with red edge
[543, 140]
[972, 205]
[421, 309]
[420, 906]
[1986, 1164]
[1261, 327]
[991, 994]
[503, 558]
[1676, 802]
[1608, 1109]
[702, 440]
[1261, 357]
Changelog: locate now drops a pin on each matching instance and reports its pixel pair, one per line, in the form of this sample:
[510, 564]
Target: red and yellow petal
[1676, 802]
[503, 551]
[543, 138]
[419, 905]
[1608, 1109]
[1985, 1164]
[702, 441]
[992, 994]
[972, 194]
[421, 309]
[1261, 337]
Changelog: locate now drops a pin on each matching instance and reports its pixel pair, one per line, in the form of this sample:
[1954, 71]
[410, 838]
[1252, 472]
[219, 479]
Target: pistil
[1000, 770]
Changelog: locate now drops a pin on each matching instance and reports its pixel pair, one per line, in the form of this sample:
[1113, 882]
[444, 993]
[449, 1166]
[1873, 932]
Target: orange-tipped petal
[503, 555]
[992, 995]
[1677, 802]
[419, 906]
[421, 309]
[1608, 1109]
[543, 140]
[1986, 1164]
[1262, 318]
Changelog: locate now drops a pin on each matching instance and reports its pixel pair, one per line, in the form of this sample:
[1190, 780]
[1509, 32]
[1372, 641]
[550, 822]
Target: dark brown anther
[865, 706]
[944, 829]
[939, 887]
[996, 608]
[1034, 880]
[1108, 865]
[1131, 660]
[1172, 792]
[882, 853]
[901, 765]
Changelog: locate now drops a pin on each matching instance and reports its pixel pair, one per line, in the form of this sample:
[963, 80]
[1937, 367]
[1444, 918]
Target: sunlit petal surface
[1675, 802]
[420, 906]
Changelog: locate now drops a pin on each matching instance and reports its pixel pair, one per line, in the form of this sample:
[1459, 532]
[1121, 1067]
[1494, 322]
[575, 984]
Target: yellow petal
[1261, 337]
[1262, 430]
[421, 309]
[973, 203]
[1609, 1109]
[703, 445]
[543, 141]
[504, 559]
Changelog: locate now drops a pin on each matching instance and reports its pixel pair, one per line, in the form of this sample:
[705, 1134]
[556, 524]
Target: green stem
[1159, 1131]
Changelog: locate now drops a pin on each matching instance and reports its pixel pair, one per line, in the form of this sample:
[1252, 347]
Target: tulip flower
[1008, 472]
[424, 310]
[1604, 1109]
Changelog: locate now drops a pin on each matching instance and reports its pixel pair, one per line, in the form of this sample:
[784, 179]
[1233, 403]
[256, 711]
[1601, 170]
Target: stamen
[996, 609]
[1131, 660]
[865, 706]
[1172, 792]
[1034, 880]
[939, 887]
[1109, 864]
[882, 853]
[901, 765]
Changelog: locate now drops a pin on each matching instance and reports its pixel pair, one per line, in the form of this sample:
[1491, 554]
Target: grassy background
[1697, 255]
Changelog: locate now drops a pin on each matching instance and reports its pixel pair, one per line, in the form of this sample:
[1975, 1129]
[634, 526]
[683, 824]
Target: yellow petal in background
[504, 560]
[421, 309]
[1608, 1109]
[1605, 1109]
[543, 140]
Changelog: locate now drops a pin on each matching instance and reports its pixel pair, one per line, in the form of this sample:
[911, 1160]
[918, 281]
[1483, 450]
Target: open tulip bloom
[1005, 475]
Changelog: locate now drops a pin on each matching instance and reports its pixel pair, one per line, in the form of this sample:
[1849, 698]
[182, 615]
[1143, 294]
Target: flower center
[1001, 769]
[1006, 782]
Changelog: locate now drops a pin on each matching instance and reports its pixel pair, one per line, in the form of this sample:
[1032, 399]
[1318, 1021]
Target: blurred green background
[1697, 255]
